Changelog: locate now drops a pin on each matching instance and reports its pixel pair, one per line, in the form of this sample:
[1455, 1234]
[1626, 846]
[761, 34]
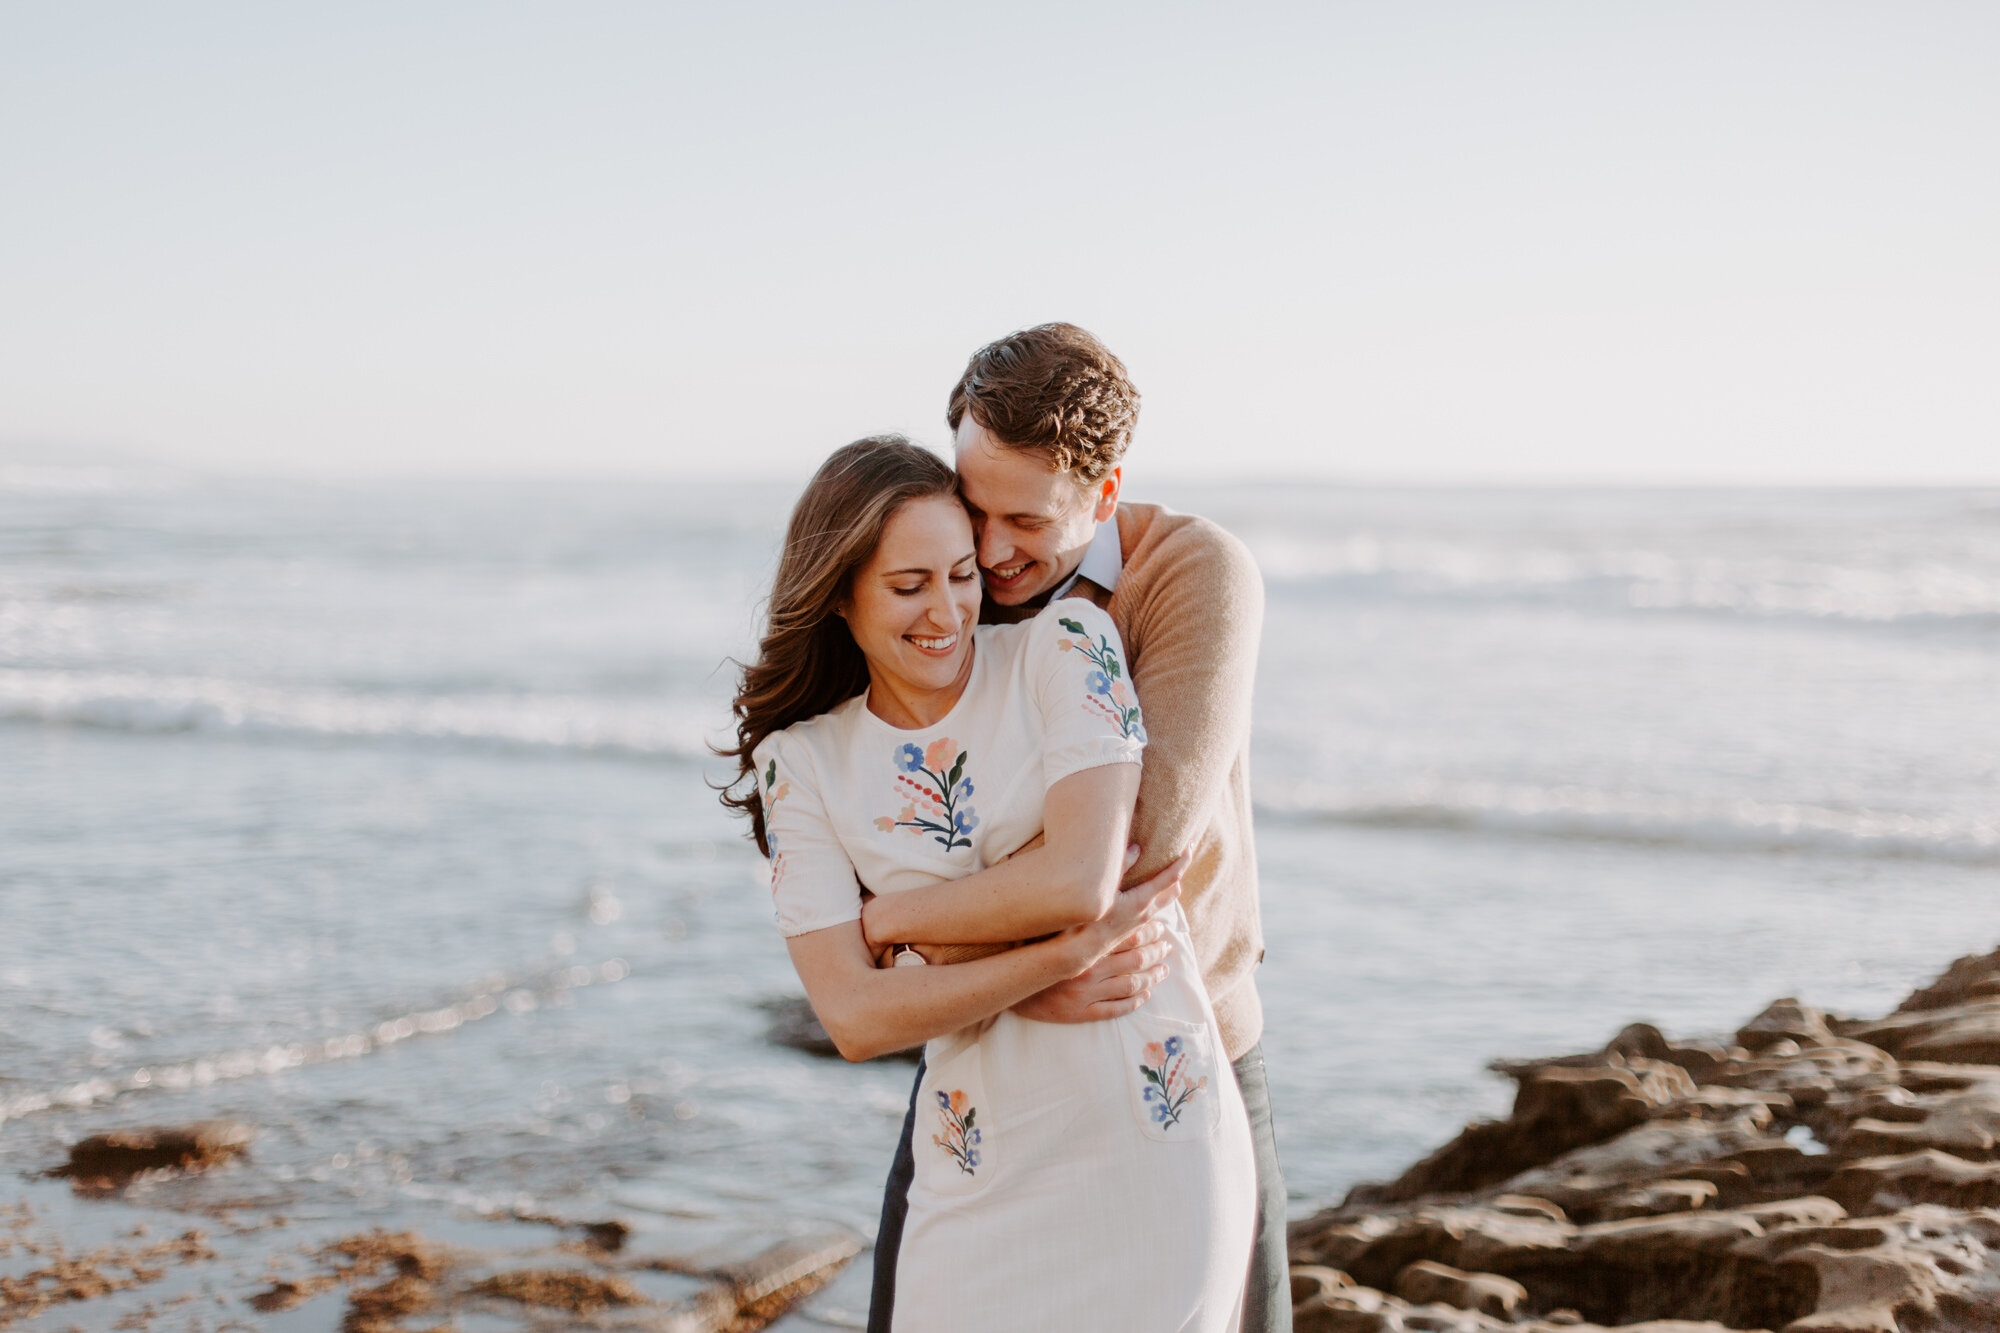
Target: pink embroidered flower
[1155, 1053]
[960, 1139]
[1121, 695]
[934, 790]
[885, 823]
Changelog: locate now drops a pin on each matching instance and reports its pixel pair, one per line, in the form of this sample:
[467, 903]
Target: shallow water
[375, 815]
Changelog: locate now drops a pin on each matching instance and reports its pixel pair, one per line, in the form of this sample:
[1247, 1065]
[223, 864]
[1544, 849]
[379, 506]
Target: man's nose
[993, 546]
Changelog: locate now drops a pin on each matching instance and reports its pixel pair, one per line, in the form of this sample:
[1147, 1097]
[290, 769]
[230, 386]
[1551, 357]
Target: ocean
[375, 815]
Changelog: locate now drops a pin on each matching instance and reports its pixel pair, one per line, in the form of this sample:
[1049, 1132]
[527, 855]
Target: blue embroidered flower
[1106, 692]
[932, 784]
[964, 822]
[1168, 1083]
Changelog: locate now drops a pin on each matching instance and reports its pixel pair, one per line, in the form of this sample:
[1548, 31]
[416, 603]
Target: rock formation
[107, 1161]
[1811, 1174]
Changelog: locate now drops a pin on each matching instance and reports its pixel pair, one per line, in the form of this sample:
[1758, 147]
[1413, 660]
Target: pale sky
[1434, 241]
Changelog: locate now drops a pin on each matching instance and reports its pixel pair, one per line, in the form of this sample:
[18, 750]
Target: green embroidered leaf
[771, 775]
[961, 760]
[1151, 1076]
[1072, 626]
[970, 1112]
[957, 769]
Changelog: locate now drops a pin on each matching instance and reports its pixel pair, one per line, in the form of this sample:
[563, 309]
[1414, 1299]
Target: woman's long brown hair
[807, 662]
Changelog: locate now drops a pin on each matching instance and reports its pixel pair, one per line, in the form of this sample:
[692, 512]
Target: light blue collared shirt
[1103, 560]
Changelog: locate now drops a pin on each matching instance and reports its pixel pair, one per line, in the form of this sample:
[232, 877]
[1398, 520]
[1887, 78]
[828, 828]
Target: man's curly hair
[1053, 389]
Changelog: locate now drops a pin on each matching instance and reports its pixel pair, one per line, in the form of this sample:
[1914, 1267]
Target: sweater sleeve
[1198, 626]
[1089, 715]
[813, 884]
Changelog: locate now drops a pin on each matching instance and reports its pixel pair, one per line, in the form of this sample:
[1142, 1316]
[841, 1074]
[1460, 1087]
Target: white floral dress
[1089, 1176]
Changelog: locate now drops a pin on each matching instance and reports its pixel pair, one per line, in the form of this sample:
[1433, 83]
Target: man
[1040, 420]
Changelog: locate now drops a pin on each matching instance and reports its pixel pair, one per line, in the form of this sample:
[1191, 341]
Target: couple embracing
[1013, 824]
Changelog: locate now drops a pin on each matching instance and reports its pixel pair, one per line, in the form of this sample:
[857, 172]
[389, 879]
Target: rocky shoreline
[1810, 1174]
[1807, 1174]
[110, 1239]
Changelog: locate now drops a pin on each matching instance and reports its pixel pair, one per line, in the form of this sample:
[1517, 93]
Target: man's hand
[1120, 981]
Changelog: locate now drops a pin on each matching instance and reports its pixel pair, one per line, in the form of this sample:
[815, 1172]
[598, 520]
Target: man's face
[1033, 523]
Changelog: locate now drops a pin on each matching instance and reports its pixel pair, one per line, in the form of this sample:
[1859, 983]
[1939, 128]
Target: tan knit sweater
[1190, 607]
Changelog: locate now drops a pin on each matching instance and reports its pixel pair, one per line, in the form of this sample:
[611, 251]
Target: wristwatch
[905, 955]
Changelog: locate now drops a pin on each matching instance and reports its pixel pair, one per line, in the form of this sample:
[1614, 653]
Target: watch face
[907, 956]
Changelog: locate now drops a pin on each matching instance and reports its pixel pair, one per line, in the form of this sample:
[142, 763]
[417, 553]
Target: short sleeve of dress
[813, 884]
[1090, 716]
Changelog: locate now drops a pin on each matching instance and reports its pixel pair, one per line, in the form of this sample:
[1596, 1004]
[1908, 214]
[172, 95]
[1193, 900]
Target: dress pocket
[955, 1154]
[1171, 1068]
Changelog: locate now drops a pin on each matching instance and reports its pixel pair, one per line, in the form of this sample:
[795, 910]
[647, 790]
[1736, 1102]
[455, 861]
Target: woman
[1096, 1175]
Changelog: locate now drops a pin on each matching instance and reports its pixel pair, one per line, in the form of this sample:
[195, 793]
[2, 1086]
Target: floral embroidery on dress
[1168, 1088]
[959, 1140]
[1110, 695]
[774, 792]
[935, 805]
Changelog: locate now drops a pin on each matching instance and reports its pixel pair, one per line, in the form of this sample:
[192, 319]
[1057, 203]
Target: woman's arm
[870, 1011]
[1070, 879]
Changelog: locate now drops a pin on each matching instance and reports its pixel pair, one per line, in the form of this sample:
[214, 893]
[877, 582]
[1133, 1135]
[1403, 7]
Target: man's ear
[1107, 494]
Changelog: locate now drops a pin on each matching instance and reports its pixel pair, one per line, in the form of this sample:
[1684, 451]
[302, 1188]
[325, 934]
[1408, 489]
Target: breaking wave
[1584, 814]
[137, 702]
[483, 1000]
[1947, 591]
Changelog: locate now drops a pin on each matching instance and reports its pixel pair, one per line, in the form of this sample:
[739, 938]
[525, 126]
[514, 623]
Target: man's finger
[1136, 959]
[1144, 933]
[1114, 986]
[1118, 1008]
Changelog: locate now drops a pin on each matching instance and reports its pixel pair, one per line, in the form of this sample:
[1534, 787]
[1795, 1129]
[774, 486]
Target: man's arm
[1199, 629]
[1194, 668]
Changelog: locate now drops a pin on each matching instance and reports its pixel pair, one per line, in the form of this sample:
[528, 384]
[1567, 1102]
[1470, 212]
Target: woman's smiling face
[912, 609]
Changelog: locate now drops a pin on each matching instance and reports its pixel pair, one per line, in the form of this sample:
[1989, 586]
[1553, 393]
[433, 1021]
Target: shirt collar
[1103, 560]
